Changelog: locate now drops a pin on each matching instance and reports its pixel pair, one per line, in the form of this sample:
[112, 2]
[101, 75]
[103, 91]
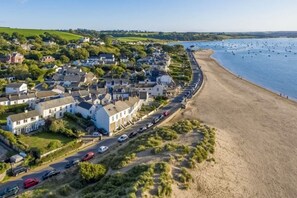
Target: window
[60, 108]
[18, 122]
[32, 119]
[112, 118]
[25, 121]
[90, 111]
[61, 114]
[71, 106]
[50, 111]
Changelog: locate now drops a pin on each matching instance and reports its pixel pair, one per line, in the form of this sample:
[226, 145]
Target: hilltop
[34, 32]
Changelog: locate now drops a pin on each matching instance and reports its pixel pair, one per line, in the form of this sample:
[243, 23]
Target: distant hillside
[34, 32]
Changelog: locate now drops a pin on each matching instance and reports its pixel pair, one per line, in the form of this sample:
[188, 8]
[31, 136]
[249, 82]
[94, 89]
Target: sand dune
[256, 152]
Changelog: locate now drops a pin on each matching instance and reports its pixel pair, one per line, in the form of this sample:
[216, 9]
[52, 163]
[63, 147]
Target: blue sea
[270, 63]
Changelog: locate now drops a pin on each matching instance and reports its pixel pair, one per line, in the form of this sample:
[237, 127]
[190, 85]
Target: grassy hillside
[33, 32]
[135, 39]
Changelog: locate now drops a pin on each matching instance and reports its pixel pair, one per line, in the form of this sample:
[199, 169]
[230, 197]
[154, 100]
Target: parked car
[149, 125]
[30, 182]
[19, 170]
[96, 134]
[133, 134]
[161, 117]
[72, 163]
[10, 191]
[103, 132]
[122, 138]
[156, 120]
[166, 113]
[102, 149]
[50, 173]
[88, 156]
[142, 129]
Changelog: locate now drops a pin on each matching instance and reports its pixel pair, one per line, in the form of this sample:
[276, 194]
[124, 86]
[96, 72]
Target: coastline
[255, 153]
[255, 84]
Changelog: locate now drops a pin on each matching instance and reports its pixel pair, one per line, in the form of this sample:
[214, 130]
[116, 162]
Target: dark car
[142, 129]
[132, 134]
[10, 191]
[30, 182]
[19, 170]
[72, 163]
[103, 132]
[88, 156]
[50, 174]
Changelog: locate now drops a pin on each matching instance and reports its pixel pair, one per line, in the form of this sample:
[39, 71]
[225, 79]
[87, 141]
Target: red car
[166, 113]
[30, 182]
[88, 156]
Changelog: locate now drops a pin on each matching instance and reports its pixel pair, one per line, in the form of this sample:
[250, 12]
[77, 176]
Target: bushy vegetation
[91, 172]
[3, 167]
[139, 178]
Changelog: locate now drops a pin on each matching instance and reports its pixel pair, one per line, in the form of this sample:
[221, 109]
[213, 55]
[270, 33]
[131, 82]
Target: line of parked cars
[142, 129]
[30, 182]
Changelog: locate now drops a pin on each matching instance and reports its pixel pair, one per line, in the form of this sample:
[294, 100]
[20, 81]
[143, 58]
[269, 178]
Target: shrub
[77, 184]
[3, 167]
[166, 133]
[54, 145]
[184, 126]
[65, 190]
[91, 172]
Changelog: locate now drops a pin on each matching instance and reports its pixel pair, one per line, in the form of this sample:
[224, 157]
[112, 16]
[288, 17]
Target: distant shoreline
[290, 99]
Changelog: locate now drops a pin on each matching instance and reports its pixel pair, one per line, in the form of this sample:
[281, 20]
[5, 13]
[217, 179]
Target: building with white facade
[152, 89]
[56, 108]
[16, 88]
[25, 122]
[86, 109]
[117, 114]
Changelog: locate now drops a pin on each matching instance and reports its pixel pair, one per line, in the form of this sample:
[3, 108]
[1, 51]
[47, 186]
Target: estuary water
[270, 63]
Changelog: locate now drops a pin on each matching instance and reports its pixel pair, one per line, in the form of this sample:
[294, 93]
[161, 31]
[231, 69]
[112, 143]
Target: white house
[165, 80]
[22, 99]
[85, 39]
[116, 82]
[117, 114]
[151, 89]
[16, 88]
[86, 109]
[4, 101]
[56, 108]
[24, 122]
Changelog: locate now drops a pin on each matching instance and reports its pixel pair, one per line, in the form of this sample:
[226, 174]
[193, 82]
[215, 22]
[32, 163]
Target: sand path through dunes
[257, 138]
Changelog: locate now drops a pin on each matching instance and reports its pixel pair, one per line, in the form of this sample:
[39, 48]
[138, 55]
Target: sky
[152, 15]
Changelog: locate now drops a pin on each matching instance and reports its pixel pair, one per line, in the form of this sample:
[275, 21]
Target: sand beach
[256, 148]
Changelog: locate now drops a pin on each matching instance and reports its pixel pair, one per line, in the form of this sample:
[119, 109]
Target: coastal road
[173, 106]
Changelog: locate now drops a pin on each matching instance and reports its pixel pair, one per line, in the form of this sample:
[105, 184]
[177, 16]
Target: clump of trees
[91, 172]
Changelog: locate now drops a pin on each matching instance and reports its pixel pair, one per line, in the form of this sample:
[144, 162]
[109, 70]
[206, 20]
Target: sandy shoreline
[256, 153]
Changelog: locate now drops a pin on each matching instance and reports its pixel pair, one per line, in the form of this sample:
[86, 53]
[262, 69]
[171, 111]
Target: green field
[34, 32]
[42, 139]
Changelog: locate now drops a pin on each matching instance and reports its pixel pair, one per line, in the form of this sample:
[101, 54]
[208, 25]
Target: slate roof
[113, 109]
[24, 115]
[15, 85]
[56, 102]
[20, 97]
[45, 94]
[85, 105]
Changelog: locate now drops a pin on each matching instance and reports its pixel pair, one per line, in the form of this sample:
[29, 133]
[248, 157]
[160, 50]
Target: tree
[91, 172]
[107, 39]
[2, 109]
[117, 71]
[99, 72]
[57, 125]
[64, 59]
[36, 72]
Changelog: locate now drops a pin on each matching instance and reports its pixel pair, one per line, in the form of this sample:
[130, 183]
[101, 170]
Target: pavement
[173, 106]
